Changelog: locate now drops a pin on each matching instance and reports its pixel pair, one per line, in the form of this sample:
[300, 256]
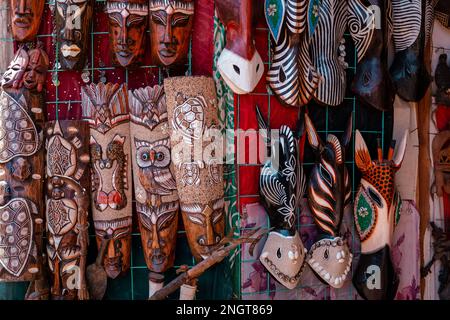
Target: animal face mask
[376, 211]
[170, 30]
[239, 64]
[329, 192]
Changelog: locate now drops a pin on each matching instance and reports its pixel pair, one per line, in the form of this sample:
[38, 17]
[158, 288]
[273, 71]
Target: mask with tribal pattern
[329, 192]
[377, 209]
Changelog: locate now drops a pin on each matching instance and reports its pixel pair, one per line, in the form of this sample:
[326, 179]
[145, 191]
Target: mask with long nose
[73, 22]
[26, 18]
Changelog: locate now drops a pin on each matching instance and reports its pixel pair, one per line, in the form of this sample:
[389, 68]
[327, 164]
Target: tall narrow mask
[170, 30]
[239, 64]
[26, 18]
[329, 192]
[282, 184]
[127, 28]
[73, 20]
[377, 210]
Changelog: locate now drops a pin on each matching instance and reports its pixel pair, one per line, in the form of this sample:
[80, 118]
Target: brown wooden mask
[239, 64]
[106, 109]
[376, 211]
[22, 172]
[68, 187]
[170, 30]
[73, 22]
[192, 111]
[154, 183]
[441, 160]
[127, 28]
[26, 17]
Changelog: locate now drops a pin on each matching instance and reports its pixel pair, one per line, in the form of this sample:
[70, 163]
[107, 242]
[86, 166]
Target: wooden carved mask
[369, 29]
[26, 17]
[105, 106]
[198, 164]
[282, 184]
[239, 64]
[441, 160]
[22, 171]
[170, 30]
[154, 182]
[73, 22]
[376, 211]
[291, 75]
[127, 28]
[329, 192]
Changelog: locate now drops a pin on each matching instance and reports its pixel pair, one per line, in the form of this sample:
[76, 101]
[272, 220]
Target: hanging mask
[411, 36]
[154, 182]
[127, 27]
[26, 16]
[329, 192]
[291, 75]
[377, 209]
[441, 161]
[13, 76]
[73, 20]
[198, 165]
[239, 64]
[170, 31]
[282, 185]
[105, 107]
[370, 30]
[328, 52]
[442, 80]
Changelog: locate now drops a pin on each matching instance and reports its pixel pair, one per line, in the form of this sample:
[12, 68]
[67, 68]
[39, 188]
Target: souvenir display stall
[227, 149]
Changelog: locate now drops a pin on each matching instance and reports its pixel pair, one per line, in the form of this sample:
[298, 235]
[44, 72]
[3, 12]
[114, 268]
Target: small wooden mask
[239, 64]
[105, 106]
[198, 165]
[127, 28]
[376, 211]
[170, 30]
[329, 192]
[26, 16]
[154, 183]
[441, 161]
[73, 20]
[282, 185]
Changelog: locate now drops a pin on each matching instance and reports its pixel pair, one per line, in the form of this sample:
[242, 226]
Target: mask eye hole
[375, 197]
[257, 68]
[326, 254]
[236, 69]
[325, 175]
[279, 253]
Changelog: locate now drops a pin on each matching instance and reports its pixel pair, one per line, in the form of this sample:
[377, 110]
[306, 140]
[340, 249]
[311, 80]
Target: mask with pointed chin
[127, 26]
[239, 64]
[376, 212]
[329, 192]
[73, 24]
[26, 18]
[170, 31]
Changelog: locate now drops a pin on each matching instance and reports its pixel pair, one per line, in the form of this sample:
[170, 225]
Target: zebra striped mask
[292, 76]
[369, 29]
[412, 22]
[376, 212]
[329, 193]
[239, 64]
[282, 184]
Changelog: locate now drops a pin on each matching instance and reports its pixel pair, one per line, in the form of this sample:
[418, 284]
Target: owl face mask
[154, 183]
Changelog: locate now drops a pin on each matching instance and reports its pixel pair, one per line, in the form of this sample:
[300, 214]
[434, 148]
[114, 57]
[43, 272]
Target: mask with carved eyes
[153, 155]
[36, 71]
[127, 27]
[13, 76]
[26, 18]
[73, 20]
[376, 212]
[329, 192]
[170, 30]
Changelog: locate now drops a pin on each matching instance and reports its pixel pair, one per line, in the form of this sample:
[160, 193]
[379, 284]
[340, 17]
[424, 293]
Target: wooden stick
[216, 257]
